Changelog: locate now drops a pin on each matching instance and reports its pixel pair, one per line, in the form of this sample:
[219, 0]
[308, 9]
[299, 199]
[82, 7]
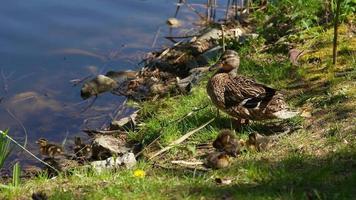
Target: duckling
[218, 160]
[260, 142]
[48, 149]
[98, 85]
[82, 150]
[242, 97]
[226, 141]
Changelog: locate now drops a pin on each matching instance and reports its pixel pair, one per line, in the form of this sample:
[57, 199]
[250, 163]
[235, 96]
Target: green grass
[5, 148]
[315, 162]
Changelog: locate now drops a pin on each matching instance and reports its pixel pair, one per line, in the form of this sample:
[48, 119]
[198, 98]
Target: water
[45, 44]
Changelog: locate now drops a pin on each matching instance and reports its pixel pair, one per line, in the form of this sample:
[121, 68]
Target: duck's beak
[215, 67]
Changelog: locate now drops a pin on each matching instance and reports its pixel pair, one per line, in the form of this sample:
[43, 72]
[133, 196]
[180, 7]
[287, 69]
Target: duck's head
[42, 142]
[229, 60]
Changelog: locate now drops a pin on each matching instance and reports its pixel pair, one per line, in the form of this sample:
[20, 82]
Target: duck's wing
[246, 92]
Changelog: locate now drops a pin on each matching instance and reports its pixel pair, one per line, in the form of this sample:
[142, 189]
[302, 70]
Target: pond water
[46, 44]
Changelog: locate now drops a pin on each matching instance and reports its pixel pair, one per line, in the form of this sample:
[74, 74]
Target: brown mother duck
[242, 97]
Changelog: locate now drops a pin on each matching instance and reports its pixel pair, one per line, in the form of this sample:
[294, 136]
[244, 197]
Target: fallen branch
[181, 139]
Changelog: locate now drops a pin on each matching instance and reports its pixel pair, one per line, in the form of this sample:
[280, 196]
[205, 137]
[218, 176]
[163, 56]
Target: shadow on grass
[297, 177]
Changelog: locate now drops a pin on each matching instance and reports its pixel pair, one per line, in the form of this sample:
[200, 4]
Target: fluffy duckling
[218, 160]
[260, 142]
[98, 85]
[82, 150]
[242, 97]
[226, 141]
[48, 149]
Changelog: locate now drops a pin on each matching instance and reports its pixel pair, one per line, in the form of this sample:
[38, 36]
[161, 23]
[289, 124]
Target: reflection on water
[45, 44]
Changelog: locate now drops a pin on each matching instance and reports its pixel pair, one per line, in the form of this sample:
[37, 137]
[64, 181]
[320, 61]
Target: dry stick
[223, 37]
[104, 132]
[90, 104]
[214, 10]
[156, 36]
[193, 9]
[167, 50]
[174, 121]
[181, 139]
[183, 162]
[14, 141]
[4, 78]
[208, 11]
[336, 23]
[181, 37]
[21, 124]
[76, 82]
[227, 10]
[178, 7]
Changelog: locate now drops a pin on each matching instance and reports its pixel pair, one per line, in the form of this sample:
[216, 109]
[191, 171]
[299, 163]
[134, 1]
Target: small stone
[127, 160]
[174, 22]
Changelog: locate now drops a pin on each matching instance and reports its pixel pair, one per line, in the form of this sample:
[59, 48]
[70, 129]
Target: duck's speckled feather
[242, 97]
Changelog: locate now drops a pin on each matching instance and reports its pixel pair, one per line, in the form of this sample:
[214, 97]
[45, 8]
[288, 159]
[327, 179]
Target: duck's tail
[285, 114]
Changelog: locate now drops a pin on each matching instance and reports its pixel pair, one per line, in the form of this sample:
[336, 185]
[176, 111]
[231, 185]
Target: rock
[174, 22]
[209, 55]
[125, 123]
[98, 85]
[109, 144]
[127, 160]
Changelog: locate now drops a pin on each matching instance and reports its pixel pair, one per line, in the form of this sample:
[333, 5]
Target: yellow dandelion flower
[139, 173]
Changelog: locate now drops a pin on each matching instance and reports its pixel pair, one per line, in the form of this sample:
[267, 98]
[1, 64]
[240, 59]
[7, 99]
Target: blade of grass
[16, 173]
[4, 148]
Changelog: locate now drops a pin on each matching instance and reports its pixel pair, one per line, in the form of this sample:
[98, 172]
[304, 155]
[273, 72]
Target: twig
[179, 57]
[171, 39]
[76, 82]
[183, 162]
[181, 139]
[227, 10]
[155, 38]
[181, 37]
[174, 121]
[193, 9]
[14, 141]
[188, 114]
[223, 37]
[167, 50]
[65, 139]
[90, 104]
[187, 167]
[101, 131]
[179, 4]
[20, 123]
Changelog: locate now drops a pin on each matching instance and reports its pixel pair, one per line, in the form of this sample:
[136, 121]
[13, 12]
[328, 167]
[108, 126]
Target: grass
[315, 162]
[4, 148]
